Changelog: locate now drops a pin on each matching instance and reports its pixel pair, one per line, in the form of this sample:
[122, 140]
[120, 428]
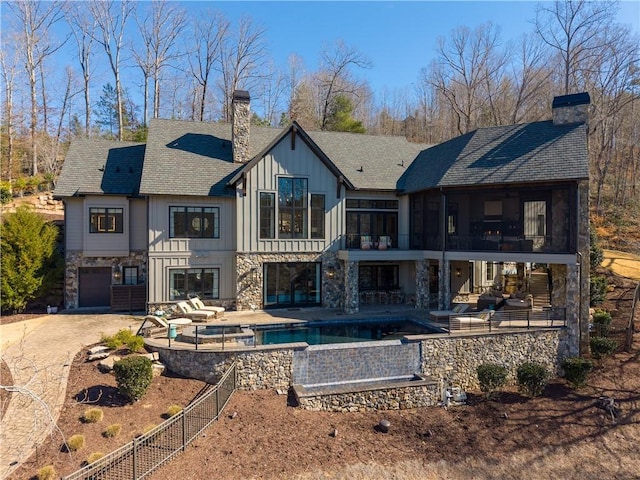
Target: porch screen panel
[535, 220]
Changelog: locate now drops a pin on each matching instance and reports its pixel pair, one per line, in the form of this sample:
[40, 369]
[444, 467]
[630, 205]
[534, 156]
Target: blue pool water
[321, 333]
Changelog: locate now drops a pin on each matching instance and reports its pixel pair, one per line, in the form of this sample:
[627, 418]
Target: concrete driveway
[39, 353]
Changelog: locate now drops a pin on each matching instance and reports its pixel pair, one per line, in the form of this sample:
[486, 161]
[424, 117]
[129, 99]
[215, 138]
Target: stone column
[444, 295]
[422, 283]
[573, 309]
[584, 269]
[351, 297]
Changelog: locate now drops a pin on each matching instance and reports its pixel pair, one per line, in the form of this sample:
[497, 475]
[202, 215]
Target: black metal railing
[554, 317]
[142, 456]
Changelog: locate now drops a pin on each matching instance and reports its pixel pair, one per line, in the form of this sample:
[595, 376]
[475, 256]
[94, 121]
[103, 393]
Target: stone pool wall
[453, 359]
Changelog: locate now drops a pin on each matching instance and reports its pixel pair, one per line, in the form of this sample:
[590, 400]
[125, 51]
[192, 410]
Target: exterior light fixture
[117, 273]
[458, 272]
[331, 271]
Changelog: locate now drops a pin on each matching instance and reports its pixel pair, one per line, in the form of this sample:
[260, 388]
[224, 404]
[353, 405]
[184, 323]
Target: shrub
[576, 370]
[29, 260]
[597, 289]
[124, 337]
[112, 430]
[602, 346]
[75, 443]
[20, 185]
[148, 428]
[601, 322]
[491, 378]
[92, 415]
[5, 193]
[133, 376]
[596, 254]
[47, 473]
[532, 378]
[94, 457]
[173, 410]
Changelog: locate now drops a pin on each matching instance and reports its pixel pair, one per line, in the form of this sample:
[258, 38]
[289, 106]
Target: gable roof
[98, 166]
[527, 153]
[194, 158]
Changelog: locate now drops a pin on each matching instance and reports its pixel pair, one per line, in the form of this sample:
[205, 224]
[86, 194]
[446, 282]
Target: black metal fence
[139, 458]
[631, 324]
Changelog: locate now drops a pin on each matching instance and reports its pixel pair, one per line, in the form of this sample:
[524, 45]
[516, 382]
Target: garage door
[95, 287]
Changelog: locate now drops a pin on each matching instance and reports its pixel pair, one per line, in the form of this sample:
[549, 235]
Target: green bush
[601, 323]
[602, 346]
[596, 254]
[597, 290]
[47, 473]
[133, 376]
[576, 370]
[532, 378]
[124, 338]
[491, 378]
[5, 193]
[112, 430]
[75, 443]
[20, 185]
[92, 415]
[30, 262]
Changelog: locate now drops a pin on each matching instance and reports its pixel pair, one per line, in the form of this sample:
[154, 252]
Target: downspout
[443, 227]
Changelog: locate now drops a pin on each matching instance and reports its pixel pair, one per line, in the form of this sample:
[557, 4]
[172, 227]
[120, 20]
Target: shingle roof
[369, 162]
[527, 153]
[194, 158]
[98, 166]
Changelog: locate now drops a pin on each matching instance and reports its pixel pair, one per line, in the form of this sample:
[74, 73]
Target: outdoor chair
[365, 242]
[470, 322]
[151, 321]
[196, 315]
[384, 242]
[198, 304]
[442, 315]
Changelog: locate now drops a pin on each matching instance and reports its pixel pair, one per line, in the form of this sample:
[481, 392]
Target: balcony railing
[483, 243]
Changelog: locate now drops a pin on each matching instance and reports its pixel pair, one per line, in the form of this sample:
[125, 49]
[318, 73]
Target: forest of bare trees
[187, 68]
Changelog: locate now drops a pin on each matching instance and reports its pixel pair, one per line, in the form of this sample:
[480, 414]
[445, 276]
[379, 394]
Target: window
[378, 277]
[317, 216]
[292, 207]
[267, 215]
[367, 222]
[194, 222]
[491, 272]
[106, 220]
[201, 282]
[535, 222]
[130, 275]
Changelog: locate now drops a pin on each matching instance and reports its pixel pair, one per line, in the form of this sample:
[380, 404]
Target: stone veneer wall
[76, 260]
[251, 277]
[456, 359]
[270, 368]
[453, 359]
[383, 398]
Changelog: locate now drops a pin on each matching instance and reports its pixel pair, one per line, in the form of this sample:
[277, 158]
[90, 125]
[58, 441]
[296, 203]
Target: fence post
[184, 431]
[135, 448]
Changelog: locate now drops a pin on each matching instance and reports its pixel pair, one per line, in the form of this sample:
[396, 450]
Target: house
[254, 217]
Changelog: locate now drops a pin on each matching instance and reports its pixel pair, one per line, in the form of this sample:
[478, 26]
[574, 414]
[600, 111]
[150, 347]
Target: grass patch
[112, 430]
[92, 415]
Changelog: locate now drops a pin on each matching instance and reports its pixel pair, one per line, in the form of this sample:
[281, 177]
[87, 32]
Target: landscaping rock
[157, 369]
[106, 365]
[98, 356]
[98, 349]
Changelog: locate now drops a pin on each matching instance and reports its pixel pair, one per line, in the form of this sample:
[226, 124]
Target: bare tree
[571, 28]
[335, 76]
[467, 62]
[208, 37]
[37, 20]
[271, 92]
[111, 18]
[242, 59]
[159, 30]
[83, 29]
[9, 65]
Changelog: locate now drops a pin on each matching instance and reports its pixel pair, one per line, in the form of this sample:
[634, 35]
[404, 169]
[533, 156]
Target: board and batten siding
[282, 161]
[106, 244]
[168, 253]
[138, 224]
[74, 224]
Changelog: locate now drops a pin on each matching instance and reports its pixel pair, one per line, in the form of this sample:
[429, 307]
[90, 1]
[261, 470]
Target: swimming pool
[320, 333]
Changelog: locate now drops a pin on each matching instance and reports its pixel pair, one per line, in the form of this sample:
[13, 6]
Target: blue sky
[398, 37]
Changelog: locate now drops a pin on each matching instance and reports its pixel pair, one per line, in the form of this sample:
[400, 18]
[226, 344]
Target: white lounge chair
[196, 315]
[151, 321]
[471, 322]
[443, 315]
[198, 304]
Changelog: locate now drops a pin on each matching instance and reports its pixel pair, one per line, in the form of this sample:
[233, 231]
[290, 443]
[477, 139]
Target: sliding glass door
[291, 284]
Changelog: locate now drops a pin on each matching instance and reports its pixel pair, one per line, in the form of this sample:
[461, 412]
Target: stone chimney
[569, 109]
[240, 123]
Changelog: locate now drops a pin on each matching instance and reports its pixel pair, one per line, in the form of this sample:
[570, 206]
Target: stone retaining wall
[453, 359]
[384, 398]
